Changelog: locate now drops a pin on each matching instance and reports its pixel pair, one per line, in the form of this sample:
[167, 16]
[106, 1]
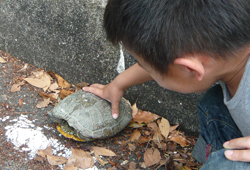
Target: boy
[187, 46]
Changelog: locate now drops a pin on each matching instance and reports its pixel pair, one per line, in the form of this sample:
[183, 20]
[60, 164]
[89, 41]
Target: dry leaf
[111, 168]
[24, 68]
[53, 87]
[43, 82]
[144, 116]
[70, 167]
[38, 74]
[99, 159]
[79, 86]
[153, 126]
[132, 166]
[151, 157]
[180, 140]
[44, 103]
[47, 151]
[2, 60]
[52, 96]
[131, 147]
[164, 127]
[16, 87]
[103, 151]
[172, 128]
[135, 135]
[39, 158]
[56, 160]
[80, 158]
[134, 109]
[61, 82]
[158, 136]
[20, 103]
[64, 93]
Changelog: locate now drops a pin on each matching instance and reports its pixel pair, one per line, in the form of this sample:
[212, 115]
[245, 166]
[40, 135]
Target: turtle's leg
[52, 119]
[79, 135]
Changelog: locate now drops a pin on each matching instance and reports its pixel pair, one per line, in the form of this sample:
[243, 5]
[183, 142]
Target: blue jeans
[216, 127]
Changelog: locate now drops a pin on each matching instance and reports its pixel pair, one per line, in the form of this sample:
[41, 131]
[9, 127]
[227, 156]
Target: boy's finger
[94, 90]
[238, 143]
[100, 86]
[115, 110]
[238, 155]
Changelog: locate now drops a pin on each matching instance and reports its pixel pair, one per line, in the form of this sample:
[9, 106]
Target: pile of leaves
[163, 144]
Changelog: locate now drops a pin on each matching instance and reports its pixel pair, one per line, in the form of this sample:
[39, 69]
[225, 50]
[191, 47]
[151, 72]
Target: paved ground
[24, 128]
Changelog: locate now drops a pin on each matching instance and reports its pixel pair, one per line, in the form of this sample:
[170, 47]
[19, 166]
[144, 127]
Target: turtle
[84, 117]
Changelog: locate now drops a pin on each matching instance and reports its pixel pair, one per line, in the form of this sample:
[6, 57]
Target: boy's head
[162, 30]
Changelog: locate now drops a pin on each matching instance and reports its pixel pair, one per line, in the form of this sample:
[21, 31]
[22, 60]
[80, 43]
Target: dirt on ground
[24, 130]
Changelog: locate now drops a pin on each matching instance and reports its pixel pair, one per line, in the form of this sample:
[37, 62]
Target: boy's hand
[241, 149]
[108, 92]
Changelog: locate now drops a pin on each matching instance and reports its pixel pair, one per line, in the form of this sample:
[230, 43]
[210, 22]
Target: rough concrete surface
[24, 129]
[67, 37]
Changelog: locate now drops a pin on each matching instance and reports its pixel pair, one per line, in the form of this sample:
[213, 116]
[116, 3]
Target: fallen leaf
[180, 140]
[164, 127]
[52, 96]
[131, 147]
[134, 109]
[151, 157]
[158, 136]
[132, 166]
[53, 87]
[70, 167]
[80, 158]
[44, 103]
[153, 126]
[64, 93]
[24, 68]
[39, 158]
[135, 135]
[2, 60]
[20, 103]
[172, 128]
[100, 160]
[38, 74]
[144, 116]
[103, 151]
[111, 168]
[37, 82]
[79, 86]
[16, 87]
[47, 151]
[56, 160]
[61, 82]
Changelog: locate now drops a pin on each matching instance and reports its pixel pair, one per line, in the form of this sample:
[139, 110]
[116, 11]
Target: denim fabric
[216, 127]
[217, 161]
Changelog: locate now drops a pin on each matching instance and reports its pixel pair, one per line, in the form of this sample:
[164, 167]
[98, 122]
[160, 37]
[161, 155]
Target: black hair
[163, 30]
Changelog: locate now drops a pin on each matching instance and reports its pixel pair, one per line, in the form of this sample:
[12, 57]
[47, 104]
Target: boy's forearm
[132, 76]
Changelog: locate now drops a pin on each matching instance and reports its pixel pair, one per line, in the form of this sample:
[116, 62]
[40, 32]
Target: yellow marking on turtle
[68, 135]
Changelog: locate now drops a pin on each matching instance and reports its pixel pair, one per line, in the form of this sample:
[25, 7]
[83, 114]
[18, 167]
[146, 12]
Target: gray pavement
[67, 38]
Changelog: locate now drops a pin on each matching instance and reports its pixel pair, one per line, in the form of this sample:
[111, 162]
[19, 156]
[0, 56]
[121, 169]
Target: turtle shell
[91, 115]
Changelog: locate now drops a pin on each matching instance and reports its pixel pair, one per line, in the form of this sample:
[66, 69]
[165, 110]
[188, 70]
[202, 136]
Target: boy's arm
[114, 91]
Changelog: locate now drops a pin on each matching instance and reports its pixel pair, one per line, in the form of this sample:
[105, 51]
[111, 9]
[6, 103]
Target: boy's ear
[192, 65]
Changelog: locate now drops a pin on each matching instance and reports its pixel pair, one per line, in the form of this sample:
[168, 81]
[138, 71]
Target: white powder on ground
[25, 136]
